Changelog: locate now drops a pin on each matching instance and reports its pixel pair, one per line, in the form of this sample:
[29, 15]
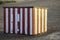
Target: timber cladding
[25, 20]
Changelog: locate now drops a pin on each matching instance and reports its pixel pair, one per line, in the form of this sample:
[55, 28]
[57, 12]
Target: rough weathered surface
[51, 36]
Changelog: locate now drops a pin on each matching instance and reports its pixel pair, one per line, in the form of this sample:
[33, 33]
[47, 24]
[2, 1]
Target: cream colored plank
[45, 20]
[42, 20]
[35, 20]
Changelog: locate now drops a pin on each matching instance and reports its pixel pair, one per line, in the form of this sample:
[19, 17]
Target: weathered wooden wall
[53, 11]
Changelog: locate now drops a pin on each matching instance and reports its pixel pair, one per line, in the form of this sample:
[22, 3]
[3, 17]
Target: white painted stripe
[26, 20]
[11, 20]
[6, 20]
[42, 20]
[16, 19]
[30, 21]
[21, 20]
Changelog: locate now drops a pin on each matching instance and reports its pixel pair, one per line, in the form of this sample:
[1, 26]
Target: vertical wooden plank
[45, 19]
[31, 21]
[35, 21]
[18, 20]
[8, 20]
[13, 20]
[4, 20]
[7, 27]
[23, 19]
[28, 21]
[40, 20]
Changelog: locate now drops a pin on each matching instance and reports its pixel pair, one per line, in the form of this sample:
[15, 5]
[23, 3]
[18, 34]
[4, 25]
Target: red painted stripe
[4, 20]
[13, 20]
[33, 21]
[28, 21]
[19, 21]
[23, 23]
[8, 20]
